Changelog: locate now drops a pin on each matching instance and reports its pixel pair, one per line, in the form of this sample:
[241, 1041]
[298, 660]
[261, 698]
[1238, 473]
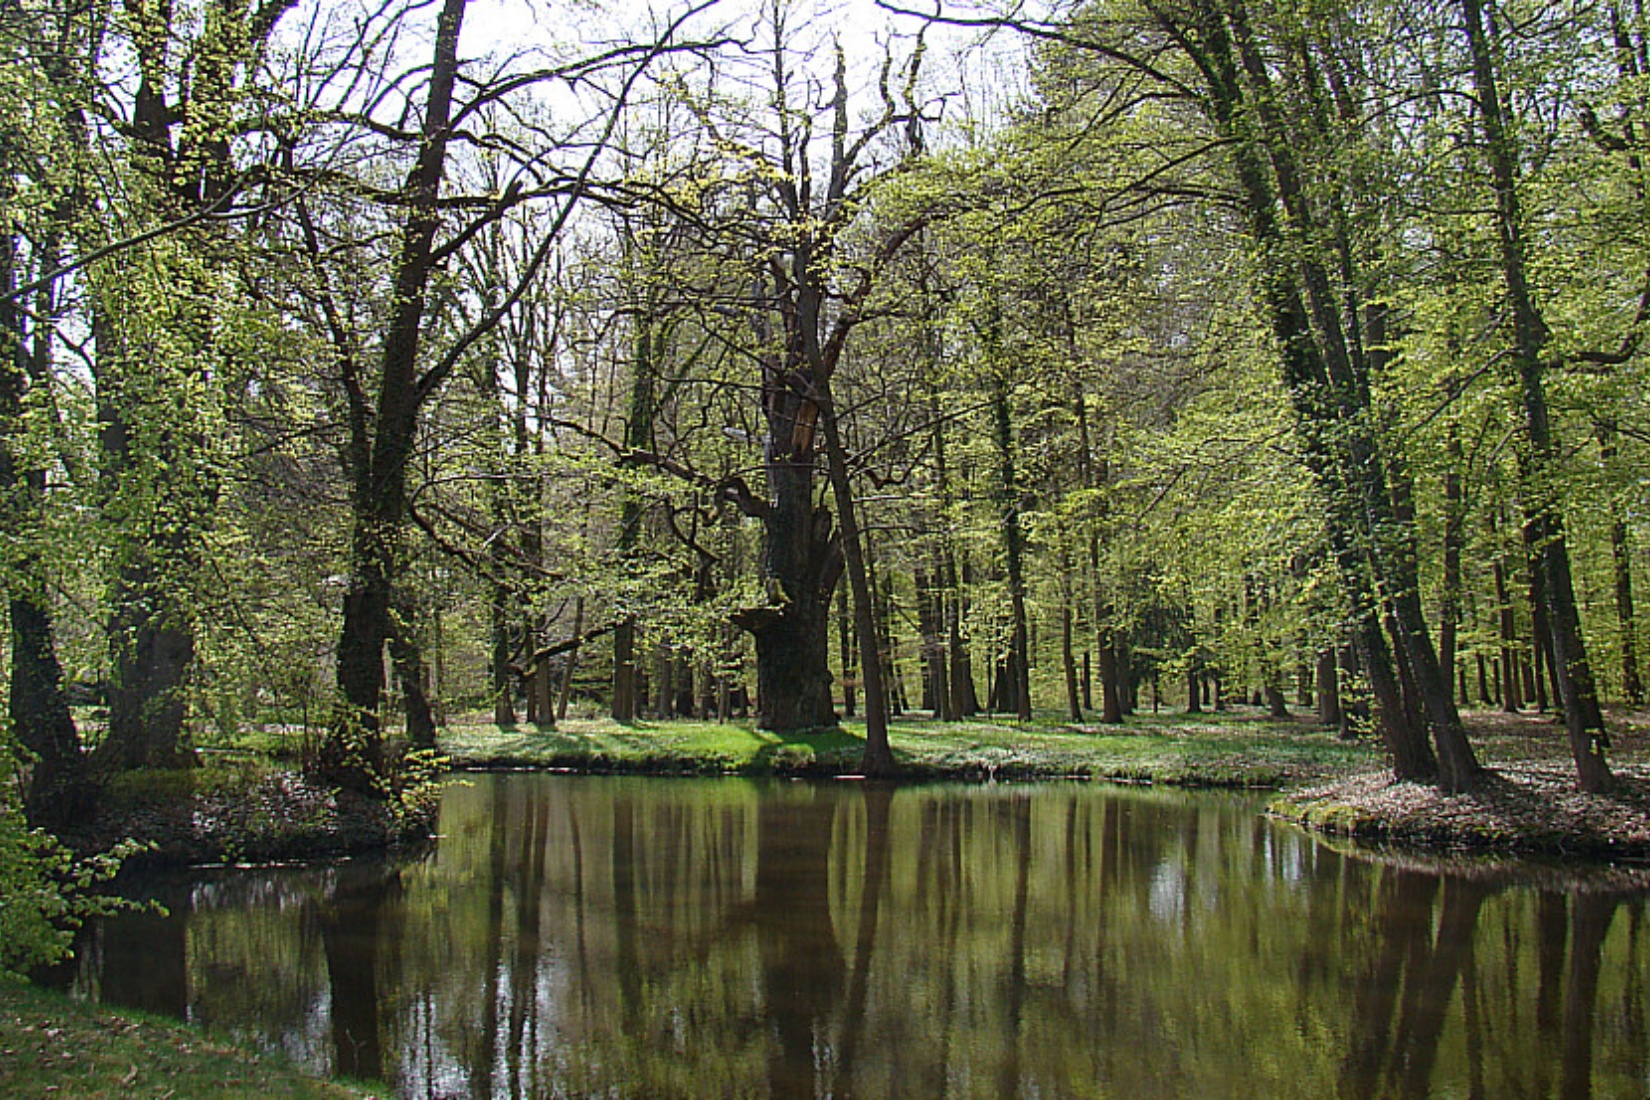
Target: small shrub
[45, 894]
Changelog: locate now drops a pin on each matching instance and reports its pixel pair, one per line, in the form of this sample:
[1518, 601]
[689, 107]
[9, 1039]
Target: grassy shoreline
[1229, 750]
[249, 805]
[51, 1045]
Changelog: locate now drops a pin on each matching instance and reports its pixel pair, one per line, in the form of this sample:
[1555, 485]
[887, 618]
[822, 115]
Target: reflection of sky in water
[665, 938]
[1168, 895]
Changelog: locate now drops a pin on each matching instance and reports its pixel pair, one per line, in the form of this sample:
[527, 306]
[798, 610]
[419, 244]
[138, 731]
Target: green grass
[52, 1046]
[1225, 750]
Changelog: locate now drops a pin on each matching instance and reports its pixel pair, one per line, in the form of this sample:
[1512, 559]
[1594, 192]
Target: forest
[373, 362]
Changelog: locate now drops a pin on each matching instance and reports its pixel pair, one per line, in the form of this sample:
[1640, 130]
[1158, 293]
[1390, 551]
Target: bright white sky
[501, 27]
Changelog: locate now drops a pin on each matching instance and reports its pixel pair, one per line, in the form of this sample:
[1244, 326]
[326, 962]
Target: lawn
[1236, 749]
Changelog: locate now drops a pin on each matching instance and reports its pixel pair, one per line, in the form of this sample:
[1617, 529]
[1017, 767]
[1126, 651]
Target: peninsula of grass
[53, 1046]
[1227, 750]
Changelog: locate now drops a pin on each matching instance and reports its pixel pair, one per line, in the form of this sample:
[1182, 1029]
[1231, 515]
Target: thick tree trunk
[151, 666]
[802, 561]
[158, 511]
[1277, 704]
[59, 787]
[1111, 694]
[792, 680]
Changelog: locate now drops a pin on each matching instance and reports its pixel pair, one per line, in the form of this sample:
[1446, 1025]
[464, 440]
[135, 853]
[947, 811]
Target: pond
[572, 936]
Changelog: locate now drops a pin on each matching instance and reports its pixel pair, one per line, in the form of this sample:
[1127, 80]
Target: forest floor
[52, 1046]
[1526, 802]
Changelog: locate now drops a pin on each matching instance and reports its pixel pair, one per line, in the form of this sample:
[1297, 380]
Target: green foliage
[45, 892]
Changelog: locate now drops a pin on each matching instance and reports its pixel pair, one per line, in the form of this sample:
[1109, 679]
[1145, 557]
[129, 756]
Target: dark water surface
[709, 938]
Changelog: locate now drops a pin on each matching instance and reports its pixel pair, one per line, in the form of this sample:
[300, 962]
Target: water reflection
[660, 938]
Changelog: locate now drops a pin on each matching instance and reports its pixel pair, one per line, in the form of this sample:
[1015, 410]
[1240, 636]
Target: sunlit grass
[1227, 750]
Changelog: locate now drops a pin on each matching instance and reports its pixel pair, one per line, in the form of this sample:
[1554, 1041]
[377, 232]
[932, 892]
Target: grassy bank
[52, 1046]
[1238, 749]
[249, 804]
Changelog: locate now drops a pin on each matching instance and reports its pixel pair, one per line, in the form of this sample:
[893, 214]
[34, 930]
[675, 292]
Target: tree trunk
[878, 758]
[893, 683]
[1449, 612]
[158, 512]
[802, 558]
[845, 646]
[965, 697]
[1512, 699]
[1621, 556]
[408, 657]
[1019, 649]
[1331, 395]
[1276, 703]
[1329, 690]
[1111, 694]
[59, 787]
[1068, 658]
[381, 443]
[624, 671]
[1544, 527]
[566, 694]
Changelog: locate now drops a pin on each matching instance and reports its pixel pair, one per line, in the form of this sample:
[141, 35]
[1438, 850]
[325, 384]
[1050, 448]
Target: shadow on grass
[830, 750]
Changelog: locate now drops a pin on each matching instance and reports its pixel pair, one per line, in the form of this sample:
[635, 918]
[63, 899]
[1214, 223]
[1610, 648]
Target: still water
[721, 938]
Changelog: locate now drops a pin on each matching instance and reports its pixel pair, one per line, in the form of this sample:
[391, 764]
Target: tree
[1544, 522]
[808, 188]
[386, 408]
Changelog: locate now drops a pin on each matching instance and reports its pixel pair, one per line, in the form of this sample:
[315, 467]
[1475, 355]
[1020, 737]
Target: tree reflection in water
[732, 938]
